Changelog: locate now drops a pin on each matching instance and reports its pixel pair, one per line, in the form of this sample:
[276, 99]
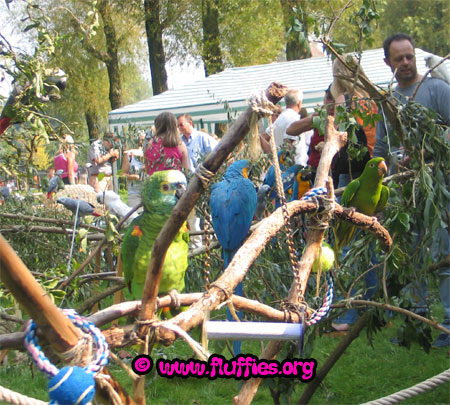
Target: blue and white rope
[314, 192]
[44, 364]
[327, 301]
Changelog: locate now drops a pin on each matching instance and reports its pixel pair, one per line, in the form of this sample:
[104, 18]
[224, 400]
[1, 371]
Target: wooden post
[60, 332]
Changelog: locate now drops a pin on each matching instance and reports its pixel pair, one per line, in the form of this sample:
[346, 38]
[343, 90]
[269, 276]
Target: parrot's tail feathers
[239, 289]
[227, 257]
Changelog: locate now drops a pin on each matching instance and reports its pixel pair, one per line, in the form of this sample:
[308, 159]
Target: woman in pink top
[166, 151]
[65, 160]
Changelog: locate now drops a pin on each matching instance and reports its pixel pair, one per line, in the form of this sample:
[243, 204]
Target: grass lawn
[362, 374]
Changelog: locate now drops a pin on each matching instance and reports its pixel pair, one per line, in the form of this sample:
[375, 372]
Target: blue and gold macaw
[233, 204]
[302, 184]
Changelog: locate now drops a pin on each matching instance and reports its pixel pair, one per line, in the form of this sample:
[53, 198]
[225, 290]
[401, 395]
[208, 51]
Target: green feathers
[366, 194]
[160, 193]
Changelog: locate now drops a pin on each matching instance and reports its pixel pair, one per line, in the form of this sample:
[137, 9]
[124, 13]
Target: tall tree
[212, 54]
[154, 29]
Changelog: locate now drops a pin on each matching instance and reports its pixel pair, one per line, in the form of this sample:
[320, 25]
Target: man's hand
[114, 153]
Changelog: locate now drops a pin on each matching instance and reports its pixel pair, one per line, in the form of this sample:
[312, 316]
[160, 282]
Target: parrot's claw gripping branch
[368, 223]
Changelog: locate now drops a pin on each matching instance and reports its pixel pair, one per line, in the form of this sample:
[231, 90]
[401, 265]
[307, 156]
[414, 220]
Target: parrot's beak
[247, 171]
[382, 168]
[181, 188]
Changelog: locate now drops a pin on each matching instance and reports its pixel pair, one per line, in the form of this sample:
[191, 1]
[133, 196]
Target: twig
[403, 311]
[90, 302]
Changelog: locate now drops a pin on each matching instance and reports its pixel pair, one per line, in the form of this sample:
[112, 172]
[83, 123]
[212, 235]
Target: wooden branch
[30, 218]
[370, 224]
[131, 308]
[120, 337]
[333, 358]
[402, 311]
[47, 229]
[59, 331]
[187, 202]
[445, 262]
[11, 318]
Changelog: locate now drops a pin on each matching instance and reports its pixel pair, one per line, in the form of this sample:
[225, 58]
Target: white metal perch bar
[217, 330]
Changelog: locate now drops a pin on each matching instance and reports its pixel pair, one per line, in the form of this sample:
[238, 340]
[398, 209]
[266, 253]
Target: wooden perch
[370, 224]
[245, 256]
[187, 202]
[59, 331]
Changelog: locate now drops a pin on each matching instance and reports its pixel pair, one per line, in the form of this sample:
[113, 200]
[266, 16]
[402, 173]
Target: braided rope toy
[327, 301]
[328, 298]
[310, 194]
[71, 384]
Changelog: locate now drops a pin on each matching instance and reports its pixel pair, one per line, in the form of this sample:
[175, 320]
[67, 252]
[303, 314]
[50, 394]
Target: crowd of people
[177, 144]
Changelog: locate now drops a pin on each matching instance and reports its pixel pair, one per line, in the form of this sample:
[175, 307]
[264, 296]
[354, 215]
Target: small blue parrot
[233, 204]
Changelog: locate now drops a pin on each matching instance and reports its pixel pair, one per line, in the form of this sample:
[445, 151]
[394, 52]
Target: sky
[180, 75]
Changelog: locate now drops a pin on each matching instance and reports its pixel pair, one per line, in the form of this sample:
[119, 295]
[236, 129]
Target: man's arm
[264, 139]
[380, 148]
[300, 126]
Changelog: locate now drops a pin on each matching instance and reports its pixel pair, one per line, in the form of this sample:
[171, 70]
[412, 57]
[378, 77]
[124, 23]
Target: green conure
[160, 193]
[367, 195]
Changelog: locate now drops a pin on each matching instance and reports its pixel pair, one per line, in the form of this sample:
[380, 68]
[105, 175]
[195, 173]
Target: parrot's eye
[372, 165]
[165, 187]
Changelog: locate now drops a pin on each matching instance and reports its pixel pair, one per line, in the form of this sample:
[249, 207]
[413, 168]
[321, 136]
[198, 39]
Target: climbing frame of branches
[62, 335]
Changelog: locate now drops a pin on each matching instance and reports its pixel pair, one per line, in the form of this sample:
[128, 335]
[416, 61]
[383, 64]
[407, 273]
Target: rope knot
[259, 103]
[325, 207]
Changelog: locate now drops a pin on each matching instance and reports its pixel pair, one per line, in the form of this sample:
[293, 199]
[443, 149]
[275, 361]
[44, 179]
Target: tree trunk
[295, 47]
[211, 54]
[156, 52]
[92, 124]
[112, 50]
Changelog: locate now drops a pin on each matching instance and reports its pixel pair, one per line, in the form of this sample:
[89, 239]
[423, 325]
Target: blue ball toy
[72, 385]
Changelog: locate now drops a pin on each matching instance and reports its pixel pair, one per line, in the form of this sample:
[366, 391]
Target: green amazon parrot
[367, 195]
[160, 193]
